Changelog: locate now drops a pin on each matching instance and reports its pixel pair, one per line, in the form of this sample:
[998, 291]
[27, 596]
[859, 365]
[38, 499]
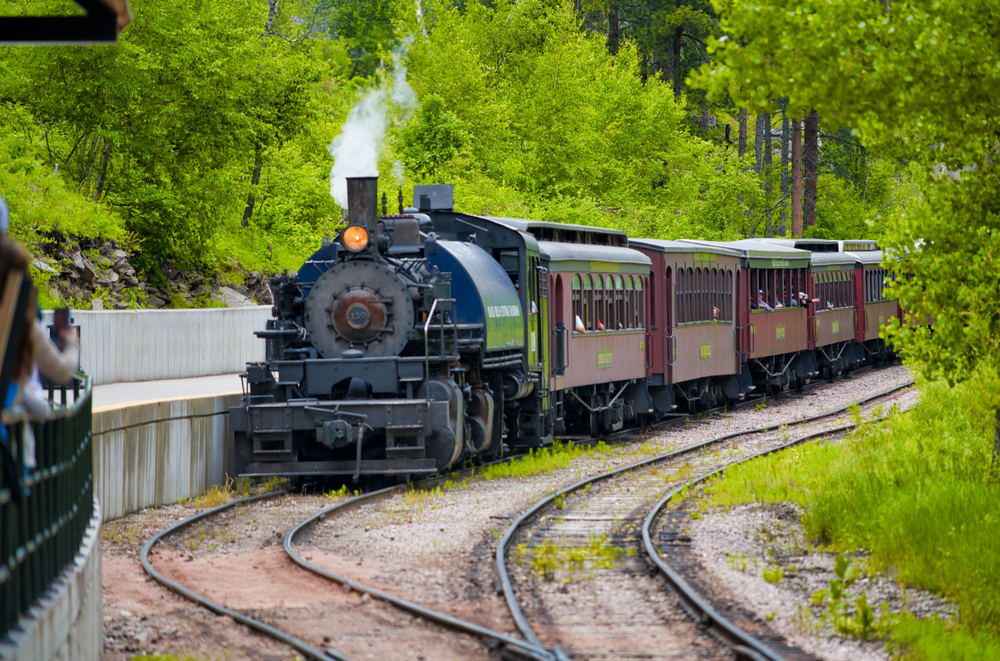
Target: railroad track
[531, 647]
[616, 510]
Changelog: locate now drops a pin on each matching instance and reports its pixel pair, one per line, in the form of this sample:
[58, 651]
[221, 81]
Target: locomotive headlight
[355, 238]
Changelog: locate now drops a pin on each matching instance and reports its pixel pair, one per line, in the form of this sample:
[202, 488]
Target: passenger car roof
[547, 231]
[585, 257]
[812, 245]
[821, 259]
[868, 257]
[756, 249]
[682, 246]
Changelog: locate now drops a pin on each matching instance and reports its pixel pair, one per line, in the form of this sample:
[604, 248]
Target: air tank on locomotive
[375, 354]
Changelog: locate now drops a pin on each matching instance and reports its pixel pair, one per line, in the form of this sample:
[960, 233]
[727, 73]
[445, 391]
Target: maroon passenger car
[694, 317]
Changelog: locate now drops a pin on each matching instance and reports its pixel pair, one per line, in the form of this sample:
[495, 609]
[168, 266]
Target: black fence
[44, 511]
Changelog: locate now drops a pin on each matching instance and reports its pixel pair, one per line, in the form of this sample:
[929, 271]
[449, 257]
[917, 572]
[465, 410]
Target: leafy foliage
[915, 80]
[163, 127]
[557, 128]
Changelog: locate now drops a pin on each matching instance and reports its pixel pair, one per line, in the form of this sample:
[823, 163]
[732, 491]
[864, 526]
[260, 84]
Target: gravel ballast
[436, 548]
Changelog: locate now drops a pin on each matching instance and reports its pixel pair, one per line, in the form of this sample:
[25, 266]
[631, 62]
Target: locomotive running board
[367, 467]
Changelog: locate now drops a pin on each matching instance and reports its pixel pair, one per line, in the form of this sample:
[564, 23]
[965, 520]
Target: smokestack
[362, 203]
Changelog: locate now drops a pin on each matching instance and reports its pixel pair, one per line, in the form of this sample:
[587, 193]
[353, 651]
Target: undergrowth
[915, 490]
[220, 494]
[542, 460]
[231, 489]
[548, 558]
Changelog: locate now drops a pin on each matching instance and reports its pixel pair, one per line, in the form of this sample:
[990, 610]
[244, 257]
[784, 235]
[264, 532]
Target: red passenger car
[874, 308]
[596, 302]
[696, 350]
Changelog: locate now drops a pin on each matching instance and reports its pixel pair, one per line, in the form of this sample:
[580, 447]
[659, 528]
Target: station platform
[115, 395]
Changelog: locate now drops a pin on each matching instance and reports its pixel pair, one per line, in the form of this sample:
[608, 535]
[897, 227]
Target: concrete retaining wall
[145, 345]
[66, 624]
[156, 453]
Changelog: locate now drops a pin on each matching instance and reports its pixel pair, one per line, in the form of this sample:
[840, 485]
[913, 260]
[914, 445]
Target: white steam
[355, 151]
[397, 171]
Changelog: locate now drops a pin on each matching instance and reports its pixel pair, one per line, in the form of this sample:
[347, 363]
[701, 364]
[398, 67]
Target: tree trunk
[811, 169]
[102, 171]
[996, 447]
[758, 143]
[614, 36]
[796, 178]
[743, 132]
[785, 139]
[678, 83]
[768, 230]
[258, 162]
[89, 159]
[272, 11]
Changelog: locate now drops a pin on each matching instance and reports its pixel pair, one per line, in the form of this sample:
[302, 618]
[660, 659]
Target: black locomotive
[397, 347]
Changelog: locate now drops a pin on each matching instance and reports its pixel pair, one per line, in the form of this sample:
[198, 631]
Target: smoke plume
[355, 151]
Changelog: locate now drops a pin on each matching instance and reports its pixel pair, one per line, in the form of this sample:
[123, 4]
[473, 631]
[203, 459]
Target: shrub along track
[492, 639]
[593, 528]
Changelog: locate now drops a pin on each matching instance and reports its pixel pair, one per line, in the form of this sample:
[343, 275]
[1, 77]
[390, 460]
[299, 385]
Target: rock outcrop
[86, 273]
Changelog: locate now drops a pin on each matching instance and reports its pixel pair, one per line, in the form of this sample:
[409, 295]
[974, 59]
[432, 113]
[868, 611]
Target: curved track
[613, 511]
[531, 647]
[697, 607]
[262, 627]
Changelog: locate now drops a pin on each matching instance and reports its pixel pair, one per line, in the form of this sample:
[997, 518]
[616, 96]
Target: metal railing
[44, 511]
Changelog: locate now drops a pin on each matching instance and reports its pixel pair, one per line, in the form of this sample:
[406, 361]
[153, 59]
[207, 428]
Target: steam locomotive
[417, 340]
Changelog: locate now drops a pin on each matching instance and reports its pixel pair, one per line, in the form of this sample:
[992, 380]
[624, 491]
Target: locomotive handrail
[427, 325]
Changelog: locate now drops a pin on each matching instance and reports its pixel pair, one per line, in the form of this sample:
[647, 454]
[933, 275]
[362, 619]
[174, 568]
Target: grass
[548, 558]
[543, 460]
[915, 490]
[220, 494]
[773, 574]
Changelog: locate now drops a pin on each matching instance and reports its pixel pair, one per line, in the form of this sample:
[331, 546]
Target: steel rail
[508, 588]
[697, 607]
[530, 650]
[266, 629]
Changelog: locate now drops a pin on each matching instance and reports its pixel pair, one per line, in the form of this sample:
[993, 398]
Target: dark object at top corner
[439, 197]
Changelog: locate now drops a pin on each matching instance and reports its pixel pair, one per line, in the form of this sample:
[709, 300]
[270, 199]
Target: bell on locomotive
[363, 372]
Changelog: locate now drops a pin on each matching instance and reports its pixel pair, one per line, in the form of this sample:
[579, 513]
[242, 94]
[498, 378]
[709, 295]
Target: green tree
[433, 136]
[367, 28]
[558, 128]
[916, 80]
[172, 126]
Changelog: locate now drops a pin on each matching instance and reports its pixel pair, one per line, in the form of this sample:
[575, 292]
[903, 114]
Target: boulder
[232, 298]
[44, 266]
[168, 271]
[108, 279]
[155, 302]
[88, 272]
